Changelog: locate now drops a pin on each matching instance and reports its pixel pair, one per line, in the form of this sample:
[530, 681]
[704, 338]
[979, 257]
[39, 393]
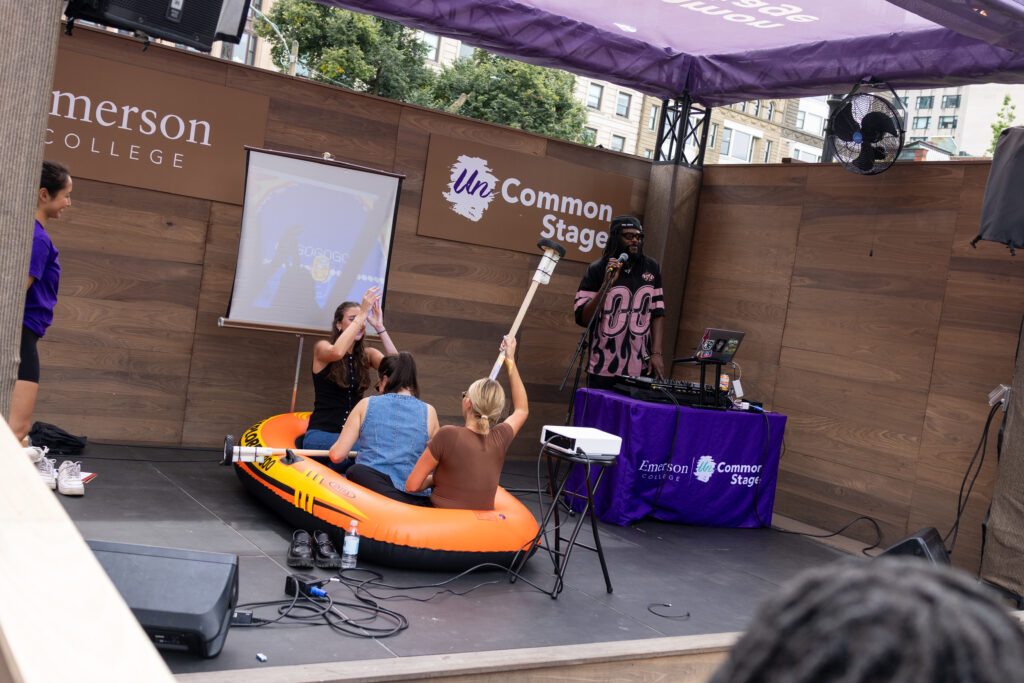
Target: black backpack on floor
[55, 439]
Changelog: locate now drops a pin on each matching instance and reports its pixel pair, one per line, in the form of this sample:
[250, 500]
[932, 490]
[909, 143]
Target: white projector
[572, 440]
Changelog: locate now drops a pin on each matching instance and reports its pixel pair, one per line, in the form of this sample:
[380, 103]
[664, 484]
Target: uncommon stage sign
[486, 195]
[134, 126]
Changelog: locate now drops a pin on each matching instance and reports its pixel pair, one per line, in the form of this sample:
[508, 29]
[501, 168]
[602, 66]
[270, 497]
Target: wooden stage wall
[872, 324]
[870, 321]
[135, 353]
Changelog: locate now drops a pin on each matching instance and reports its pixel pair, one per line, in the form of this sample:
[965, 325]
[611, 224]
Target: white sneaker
[36, 453]
[48, 471]
[69, 479]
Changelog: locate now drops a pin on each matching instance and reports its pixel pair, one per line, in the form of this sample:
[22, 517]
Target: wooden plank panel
[773, 175]
[927, 186]
[887, 407]
[132, 222]
[128, 50]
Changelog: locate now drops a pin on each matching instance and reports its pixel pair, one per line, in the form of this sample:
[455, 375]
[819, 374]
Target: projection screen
[315, 233]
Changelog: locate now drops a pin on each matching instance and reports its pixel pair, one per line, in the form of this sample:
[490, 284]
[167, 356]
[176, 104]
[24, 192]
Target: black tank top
[332, 403]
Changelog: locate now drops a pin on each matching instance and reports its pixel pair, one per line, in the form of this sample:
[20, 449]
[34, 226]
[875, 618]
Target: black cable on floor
[311, 610]
[757, 515]
[961, 501]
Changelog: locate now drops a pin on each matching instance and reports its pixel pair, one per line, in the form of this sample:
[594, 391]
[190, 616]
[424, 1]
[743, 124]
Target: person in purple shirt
[41, 295]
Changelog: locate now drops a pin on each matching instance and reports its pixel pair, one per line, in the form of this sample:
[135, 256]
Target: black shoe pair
[306, 551]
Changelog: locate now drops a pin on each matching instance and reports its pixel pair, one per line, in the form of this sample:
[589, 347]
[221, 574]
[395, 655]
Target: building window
[622, 105]
[925, 102]
[812, 123]
[648, 153]
[713, 137]
[652, 123]
[806, 156]
[244, 52]
[950, 101]
[743, 107]
[618, 143]
[590, 136]
[918, 139]
[921, 122]
[948, 122]
[736, 144]
[757, 107]
[767, 150]
[594, 94]
[432, 42]
[466, 51]
[771, 111]
[905, 101]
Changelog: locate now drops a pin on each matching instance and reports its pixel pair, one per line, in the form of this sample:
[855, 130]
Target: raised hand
[369, 299]
[508, 345]
[376, 316]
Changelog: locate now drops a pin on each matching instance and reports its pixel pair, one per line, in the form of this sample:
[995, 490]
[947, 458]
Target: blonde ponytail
[487, 401]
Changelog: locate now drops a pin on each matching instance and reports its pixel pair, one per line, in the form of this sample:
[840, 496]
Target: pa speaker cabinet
[926, 544]
[182, 598]
[196, 23]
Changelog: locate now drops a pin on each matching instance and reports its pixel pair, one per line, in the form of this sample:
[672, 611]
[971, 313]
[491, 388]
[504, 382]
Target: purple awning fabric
[724, 51]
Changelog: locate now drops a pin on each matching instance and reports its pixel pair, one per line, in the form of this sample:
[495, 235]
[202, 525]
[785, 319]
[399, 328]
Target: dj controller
[672, 391]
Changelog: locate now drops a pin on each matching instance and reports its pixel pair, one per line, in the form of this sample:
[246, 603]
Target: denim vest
[393, 436]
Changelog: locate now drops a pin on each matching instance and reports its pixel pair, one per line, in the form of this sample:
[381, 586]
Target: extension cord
[303, 584]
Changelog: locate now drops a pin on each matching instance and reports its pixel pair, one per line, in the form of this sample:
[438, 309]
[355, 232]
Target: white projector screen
[315, 233]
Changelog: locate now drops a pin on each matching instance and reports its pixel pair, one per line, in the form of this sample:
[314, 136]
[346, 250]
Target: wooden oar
[233, 453]
[552, 252]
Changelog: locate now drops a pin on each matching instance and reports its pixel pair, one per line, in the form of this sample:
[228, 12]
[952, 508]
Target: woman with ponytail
[463, 464]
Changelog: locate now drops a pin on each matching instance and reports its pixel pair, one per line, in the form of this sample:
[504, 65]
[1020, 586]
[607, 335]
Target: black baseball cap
[620, 223]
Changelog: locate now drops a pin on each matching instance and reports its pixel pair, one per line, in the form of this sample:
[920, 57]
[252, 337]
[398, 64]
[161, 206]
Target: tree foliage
[512, 93]
[357, 51]
[1004, 119]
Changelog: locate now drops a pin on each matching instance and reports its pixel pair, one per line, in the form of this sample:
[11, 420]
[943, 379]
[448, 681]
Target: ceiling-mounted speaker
[196, 23]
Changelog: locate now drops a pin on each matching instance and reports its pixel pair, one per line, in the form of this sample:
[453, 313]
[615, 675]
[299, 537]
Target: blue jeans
[318, 440]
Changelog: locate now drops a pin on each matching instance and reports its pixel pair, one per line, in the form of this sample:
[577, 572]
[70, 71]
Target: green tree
[501, 90]
[1004, 119]
[357, 51]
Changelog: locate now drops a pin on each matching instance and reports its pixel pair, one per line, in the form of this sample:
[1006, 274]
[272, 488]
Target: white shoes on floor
[67, 479]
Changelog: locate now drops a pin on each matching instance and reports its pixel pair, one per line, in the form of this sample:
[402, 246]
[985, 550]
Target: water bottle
[350, 548]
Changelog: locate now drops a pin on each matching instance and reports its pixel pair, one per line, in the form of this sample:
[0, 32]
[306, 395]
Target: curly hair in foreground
[889, 620]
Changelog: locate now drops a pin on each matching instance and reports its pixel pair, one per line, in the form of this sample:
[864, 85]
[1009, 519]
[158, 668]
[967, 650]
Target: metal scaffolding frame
[682, 124]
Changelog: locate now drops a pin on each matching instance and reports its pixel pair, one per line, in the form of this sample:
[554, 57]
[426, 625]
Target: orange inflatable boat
[310, 495]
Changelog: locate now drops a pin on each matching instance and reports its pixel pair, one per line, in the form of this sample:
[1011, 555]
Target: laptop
[718, 345]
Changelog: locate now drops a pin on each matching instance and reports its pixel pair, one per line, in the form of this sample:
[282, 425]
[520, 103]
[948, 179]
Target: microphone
[623, 257]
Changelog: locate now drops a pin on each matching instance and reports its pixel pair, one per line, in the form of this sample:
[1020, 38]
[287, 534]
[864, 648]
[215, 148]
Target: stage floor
[668, 580]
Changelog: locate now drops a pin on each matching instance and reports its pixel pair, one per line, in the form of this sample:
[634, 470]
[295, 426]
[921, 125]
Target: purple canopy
[724, 51]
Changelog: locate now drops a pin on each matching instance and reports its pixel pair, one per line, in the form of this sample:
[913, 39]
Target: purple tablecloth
[718, 467]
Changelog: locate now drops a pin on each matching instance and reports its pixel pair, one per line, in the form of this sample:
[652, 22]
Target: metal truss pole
[682, 132]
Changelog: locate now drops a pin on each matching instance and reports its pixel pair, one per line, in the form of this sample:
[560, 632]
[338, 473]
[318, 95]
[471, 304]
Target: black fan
[866, 133]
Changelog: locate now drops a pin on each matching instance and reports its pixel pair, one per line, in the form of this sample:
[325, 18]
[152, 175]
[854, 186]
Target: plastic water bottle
[350, 547]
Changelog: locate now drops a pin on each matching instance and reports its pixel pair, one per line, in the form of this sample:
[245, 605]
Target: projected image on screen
[314, 234]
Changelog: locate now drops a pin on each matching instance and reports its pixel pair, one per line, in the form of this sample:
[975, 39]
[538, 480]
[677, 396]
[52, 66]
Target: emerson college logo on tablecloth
[741, 475]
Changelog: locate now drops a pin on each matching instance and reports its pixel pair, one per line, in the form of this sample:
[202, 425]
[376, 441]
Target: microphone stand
[578, 355]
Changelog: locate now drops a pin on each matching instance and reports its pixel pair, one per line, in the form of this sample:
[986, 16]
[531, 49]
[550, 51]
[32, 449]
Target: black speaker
[926, 544]
[196, 23]
[182, 598]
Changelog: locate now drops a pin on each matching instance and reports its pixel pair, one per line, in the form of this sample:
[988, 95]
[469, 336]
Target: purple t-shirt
[42, 295]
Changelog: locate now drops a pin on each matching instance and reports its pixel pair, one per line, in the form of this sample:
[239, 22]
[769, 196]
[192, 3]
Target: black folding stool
[560, 465]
